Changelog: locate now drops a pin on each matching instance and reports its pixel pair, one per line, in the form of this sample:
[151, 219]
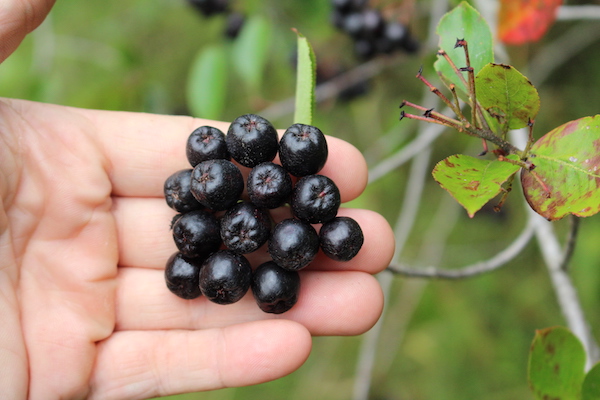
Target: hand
[84, 237]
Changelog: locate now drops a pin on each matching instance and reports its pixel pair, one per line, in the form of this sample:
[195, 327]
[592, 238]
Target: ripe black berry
[315, 199]
[341, 238]
[182, 276]
[196, 234]
[177, 189]
[251, 139]
[206, 143]
[275, 289]
[210, 7]
[269, 185]
[245, 227]
[293, 244]
[217, 184]
[303, 150]
[225, 277]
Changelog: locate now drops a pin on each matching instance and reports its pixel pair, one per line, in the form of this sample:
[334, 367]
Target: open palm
[84, 237]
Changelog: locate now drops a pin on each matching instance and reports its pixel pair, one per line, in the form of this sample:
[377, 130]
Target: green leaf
[566, 177]
[473, 181]
[250, 51]
[591, 384]
[305, 82]
[463, 22]
[207, 83]
[556, 365]
[507, 95]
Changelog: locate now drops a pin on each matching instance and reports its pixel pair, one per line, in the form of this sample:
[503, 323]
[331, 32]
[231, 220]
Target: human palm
[84, 237]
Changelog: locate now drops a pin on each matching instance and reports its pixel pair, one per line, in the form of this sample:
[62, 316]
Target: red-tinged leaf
[566, 177]
[523, 21]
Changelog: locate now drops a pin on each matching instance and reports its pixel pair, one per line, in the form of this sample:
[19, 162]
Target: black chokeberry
[197, 234]
[178, 194]
[269, 185]
[275, 289]
[217, 184]
[234, 24]
[251, 140]
[293, 244]
[182, 276]
[341, 238]
[303, 150]
[315, 199]
[245, 227]
[210, 7]
[225, 277]
[206, 143]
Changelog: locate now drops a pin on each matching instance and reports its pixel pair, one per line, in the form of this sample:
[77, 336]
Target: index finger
[144, 149]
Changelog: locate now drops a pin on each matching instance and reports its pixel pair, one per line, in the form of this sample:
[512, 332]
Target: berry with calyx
[206, 143]
[275, 289]
[225, 277]
[293, 244]
[245, 227]
[251, 140]
[269, 185]
[178, 194]
[315, 199]
[182, 276]
[341, 238]
[196, 234]
[217, 184]
[303, 150]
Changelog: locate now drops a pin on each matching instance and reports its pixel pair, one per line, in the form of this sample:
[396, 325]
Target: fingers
[330, 303]
[145, 239]
[140, 365]
[144, 149]
[17, 19]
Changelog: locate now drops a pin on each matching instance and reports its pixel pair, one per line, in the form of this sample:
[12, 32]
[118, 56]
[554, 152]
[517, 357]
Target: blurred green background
[440, 340]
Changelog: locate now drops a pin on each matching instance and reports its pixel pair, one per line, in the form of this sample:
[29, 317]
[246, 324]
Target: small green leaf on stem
[507, 95]
[207, 83]
[250, 51]
[566, 177]
[305, 82]
[473, 181]
[463, 22]
[556, 365]
[591, 384]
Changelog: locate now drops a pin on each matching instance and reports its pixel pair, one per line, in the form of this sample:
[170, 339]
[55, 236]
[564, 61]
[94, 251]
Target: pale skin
[84, 237]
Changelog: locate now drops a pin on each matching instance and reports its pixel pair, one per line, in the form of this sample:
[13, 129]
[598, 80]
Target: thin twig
[500, 259]
[570, 242]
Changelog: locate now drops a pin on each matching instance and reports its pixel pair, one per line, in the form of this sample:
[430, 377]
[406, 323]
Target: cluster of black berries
[371, 32]
[218, 225]
[208, 8]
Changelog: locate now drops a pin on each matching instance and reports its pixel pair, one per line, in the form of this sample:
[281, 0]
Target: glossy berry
[178, 194]
[293, 244]
[206, 143]
[217, 184]
[269, 185]
[196, 234]
[303, 150]
[182, 276]
[275, 289]
[245, 227]
[315, 199]
[225, 277]
[251, 140]
[341, 238]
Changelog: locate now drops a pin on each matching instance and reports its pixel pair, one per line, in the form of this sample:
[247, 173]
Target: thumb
[17, 19]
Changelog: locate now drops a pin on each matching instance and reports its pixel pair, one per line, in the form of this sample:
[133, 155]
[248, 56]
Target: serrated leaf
[556, 365]
[566, 177]
[523, 21]
[507, 95]
[591, 384]
[207, 83]
[305, 82]
[463, 22]
[250, 51]
[472, 181]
